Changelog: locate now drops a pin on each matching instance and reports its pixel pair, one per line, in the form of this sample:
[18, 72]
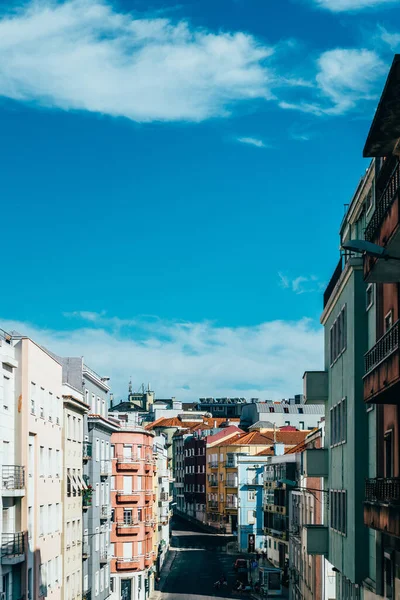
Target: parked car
[240, 565]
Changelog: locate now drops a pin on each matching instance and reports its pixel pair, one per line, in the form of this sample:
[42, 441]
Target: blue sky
[174, 178]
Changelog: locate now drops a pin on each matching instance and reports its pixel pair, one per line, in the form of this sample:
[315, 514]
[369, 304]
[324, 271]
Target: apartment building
[13, 478]
[345, 319]
[251, 536]
[195, 476]
[162, 477]
[222, 470]
[290, 413]
[381, 374]
[97, 430]
[311, 577]
[227, 408]
[133, 536]
[74, 488]
[38, 429]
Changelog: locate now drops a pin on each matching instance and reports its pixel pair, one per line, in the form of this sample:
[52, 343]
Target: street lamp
[368, 248]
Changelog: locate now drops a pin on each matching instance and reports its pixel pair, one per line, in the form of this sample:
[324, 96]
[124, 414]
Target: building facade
[195, 476]
[74, 410]
[251, 537]
[163, 499]
[222, 407]
[301, 415]
[134, 546]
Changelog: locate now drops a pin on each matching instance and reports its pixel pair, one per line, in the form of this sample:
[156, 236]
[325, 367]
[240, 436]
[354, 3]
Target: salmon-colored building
[133, 538]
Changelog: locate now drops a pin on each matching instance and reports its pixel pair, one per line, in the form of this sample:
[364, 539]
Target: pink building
[133, 539]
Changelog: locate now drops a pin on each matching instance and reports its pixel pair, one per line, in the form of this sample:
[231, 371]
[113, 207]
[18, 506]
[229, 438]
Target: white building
[162, 504]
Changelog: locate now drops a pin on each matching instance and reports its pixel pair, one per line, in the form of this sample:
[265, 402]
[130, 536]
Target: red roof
[206, 423]
[255, 438]
[227, 431]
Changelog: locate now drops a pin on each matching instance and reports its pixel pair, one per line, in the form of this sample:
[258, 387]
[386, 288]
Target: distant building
[221, 407]
[250, 514]
[300, 415]
[195, 476]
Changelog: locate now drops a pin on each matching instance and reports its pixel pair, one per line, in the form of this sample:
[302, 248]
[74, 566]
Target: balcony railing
[384, 347]
[87, 451]
[383, 489]
[13, 477]
[213, 464]
[383, 205]
[231, 483]
[231, 464]
[12, 544]
[105, 468]
[128, 460]
[213, 483]
[213, 503]
[104, 555]
[87, 595]
[105, 511]
[333, 281]
[164, 496]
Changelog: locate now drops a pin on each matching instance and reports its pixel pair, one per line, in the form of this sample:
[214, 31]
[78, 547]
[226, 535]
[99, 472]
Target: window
[41, 520]
[338, 336]
[6, 392]
[97, 449]
[96, 539]
[41, 461]
[338, 423]
[369, 200]
[251, 517]
[96, 583]
[389, 453]
[33, 398]
[338, 511]
[301, 424]
[369, 296]
[388, 320]
[97, 494]
[251, 495]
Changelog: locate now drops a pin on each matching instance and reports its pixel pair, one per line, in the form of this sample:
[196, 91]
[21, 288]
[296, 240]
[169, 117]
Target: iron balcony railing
[87, 450]
[164, 496]
[213, 482]
[333, 281]
[385, 202]
[231, 464]
[127, 459]
[213, 464]
[383, 348]
[13, 477]
[232, 483]
[12, 544]
[104, 554]
[213, 503]
[126, 523]
[105, 511]
[383, 489]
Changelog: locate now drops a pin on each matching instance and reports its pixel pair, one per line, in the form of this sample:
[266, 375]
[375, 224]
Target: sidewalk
[156, 594]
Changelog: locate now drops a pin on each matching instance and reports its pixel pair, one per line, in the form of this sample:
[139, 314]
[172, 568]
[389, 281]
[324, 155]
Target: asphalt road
[199, 560]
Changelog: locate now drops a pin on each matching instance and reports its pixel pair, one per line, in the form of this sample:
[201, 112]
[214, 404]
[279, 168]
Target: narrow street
[200, 560]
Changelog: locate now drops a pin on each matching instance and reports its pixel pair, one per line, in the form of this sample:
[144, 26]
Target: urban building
[74, 410]
[311, 576]
[381, 374]
[195, 476]
[222, 470]
[345, 540]
[251, 536]
[14, 543]
[222, 407]
[163, 500]
[298, 414]
[134, 546]
[97, 430]
[38, 428]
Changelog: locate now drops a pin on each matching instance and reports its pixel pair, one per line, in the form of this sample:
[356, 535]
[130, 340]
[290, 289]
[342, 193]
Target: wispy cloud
[266, 360]
[389, 38]
[302, 284]
[84, 55]
[345, 77]
[252, 142]
[352, 5]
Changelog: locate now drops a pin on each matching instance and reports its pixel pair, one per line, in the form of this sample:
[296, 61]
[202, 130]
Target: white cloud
[302, 284]
[352, 5]
[344, 78]
[190, 360]
[252, 142]
[82, 54]
[392, 39]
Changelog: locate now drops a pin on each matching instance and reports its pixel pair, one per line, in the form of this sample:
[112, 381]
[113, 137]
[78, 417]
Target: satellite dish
[367, 247]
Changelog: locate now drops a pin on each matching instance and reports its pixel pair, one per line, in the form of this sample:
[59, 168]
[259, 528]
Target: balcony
[213, 483]
[164, 497]
[213, 464]
[383, 229]
[231, 483]
[87, 451]
[382, 369]
[382, 505]
[86, 499]
[128, 527]
[128, 497]
[128, 564]
[104, 556]
[231, 464]
[13, 481]
[105, 512]
[315, 462]
[128, 463]
[105, 468]
[148, 526]
[315, 387]
[85, 551]
[12, 548]
[87, 595]
[213, 504]
[148, 560]
[316, 539]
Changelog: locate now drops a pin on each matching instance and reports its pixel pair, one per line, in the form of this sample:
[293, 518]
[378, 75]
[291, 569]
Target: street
[200, 560]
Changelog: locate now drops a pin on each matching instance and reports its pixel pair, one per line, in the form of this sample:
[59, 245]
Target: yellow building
[222, 470]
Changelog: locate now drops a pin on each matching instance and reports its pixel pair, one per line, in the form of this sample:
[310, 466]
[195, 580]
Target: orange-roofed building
[222, 470]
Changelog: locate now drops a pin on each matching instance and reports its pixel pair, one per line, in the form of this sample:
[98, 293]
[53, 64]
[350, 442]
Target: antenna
[130, 385]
